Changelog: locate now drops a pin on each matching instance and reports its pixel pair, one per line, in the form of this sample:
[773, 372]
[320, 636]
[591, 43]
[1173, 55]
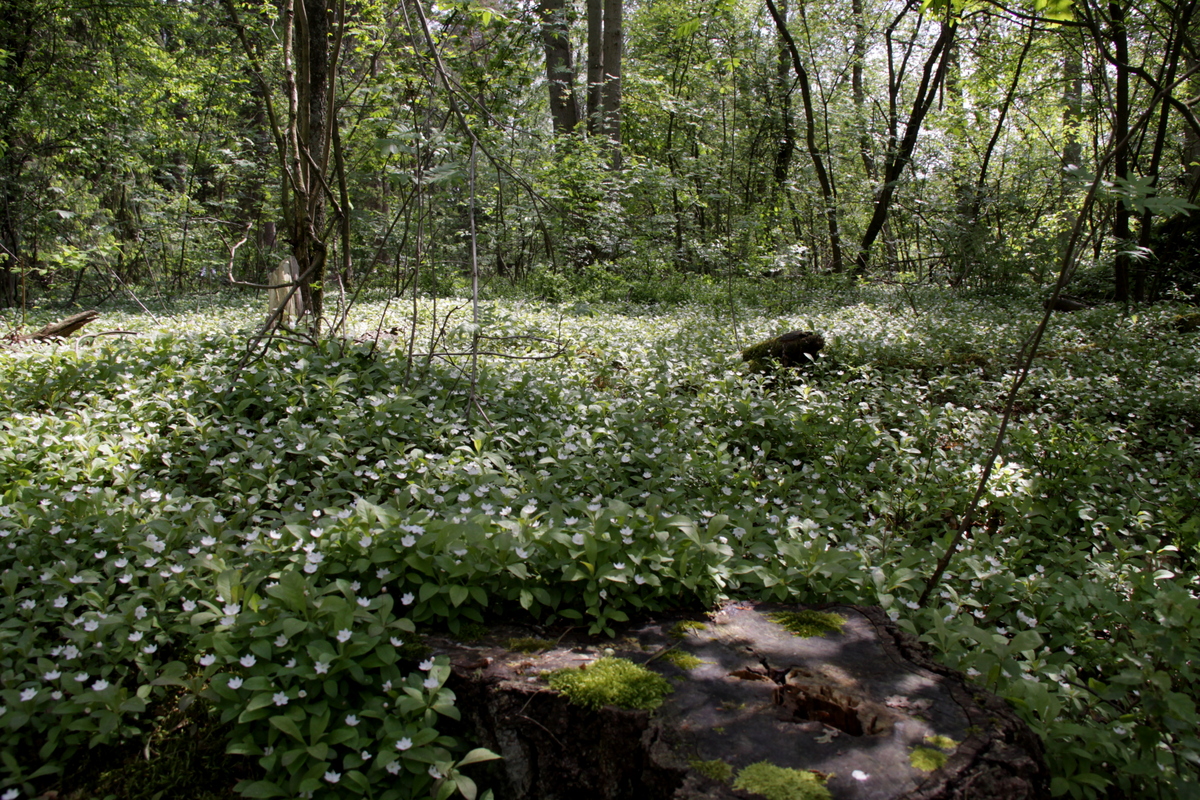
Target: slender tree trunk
[810, 138]
[858, 55]
[1181, 22]
[898, 157]
[614, 36]
[1072, 153]
[1120, 227]
[560, 71]
[595, 64]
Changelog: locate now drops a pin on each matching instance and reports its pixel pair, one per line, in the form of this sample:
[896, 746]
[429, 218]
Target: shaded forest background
[622, 149]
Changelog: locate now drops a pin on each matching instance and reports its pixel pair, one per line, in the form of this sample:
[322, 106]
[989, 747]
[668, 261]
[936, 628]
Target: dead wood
[61, 329]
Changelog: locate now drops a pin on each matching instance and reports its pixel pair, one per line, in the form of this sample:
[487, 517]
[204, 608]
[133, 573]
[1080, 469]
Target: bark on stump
[857, 702]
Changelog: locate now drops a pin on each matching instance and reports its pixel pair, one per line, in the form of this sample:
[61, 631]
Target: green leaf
[288, 726]
[477, 755]
[261, 789]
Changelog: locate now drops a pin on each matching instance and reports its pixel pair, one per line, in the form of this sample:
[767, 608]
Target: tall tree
[560, 69]
[900, 147]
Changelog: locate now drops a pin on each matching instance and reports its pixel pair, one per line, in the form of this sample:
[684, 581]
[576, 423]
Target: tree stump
[62, 328]
[862, 707]
[792, 349]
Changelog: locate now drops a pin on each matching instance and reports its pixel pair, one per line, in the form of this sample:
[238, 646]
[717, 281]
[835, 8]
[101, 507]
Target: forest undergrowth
[258, 547]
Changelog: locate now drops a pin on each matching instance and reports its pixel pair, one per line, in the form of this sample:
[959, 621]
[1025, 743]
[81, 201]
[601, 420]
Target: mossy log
[62, 328]
[1187, 323]
[841, 701]
[792, 349]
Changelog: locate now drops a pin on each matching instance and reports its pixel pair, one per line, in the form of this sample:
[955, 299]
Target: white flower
[408, 598]
[426, 665]
[619, 565]
[28, 694]
[404, 744]
[52, 675]
[577, 539]
[343, 635]
[435, 773]
[394, 767]
[232, 608]
[351, 720]
[207, 660]
[91, 625]
[431, 682]
[247, 660]
[396, 641]
[189, 605]
[60, 602]
[81, 677]
[235, 682]
[408, 541]
[100, 685]
[11, 794]
[320, 668]
[280, 698]
[150, 648]
[281, 640]
[333, 777]
[364, 601]
[136, 636]
[859, 775]
[140, 612]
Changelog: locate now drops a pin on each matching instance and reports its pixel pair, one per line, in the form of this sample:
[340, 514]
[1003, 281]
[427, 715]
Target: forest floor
[259, 533]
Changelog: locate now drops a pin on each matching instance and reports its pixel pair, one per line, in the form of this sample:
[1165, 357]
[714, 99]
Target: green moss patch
[716, 769]
[685, 626]
[681, 660]
[611, 681]
[809, 623]
[529, 644]
[941, 742]
[780, 783]
[927, 759]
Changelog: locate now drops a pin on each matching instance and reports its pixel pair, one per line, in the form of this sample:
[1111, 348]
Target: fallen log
[838, 703]
[792, 349]
[61, 329]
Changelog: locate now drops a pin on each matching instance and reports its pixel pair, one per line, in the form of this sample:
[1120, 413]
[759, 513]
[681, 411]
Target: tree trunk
[1072, 153]
[810, 126]
[595, 64]
[898, 156]
[611, 97]
[560, 71]
[1120, 227]
[858, 55]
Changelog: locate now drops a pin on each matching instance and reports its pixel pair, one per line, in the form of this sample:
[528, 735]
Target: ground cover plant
[262, 544]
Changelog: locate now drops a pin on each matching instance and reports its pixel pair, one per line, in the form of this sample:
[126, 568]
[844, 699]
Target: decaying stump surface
[792, 349]
[62, 328]
[853, 705]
